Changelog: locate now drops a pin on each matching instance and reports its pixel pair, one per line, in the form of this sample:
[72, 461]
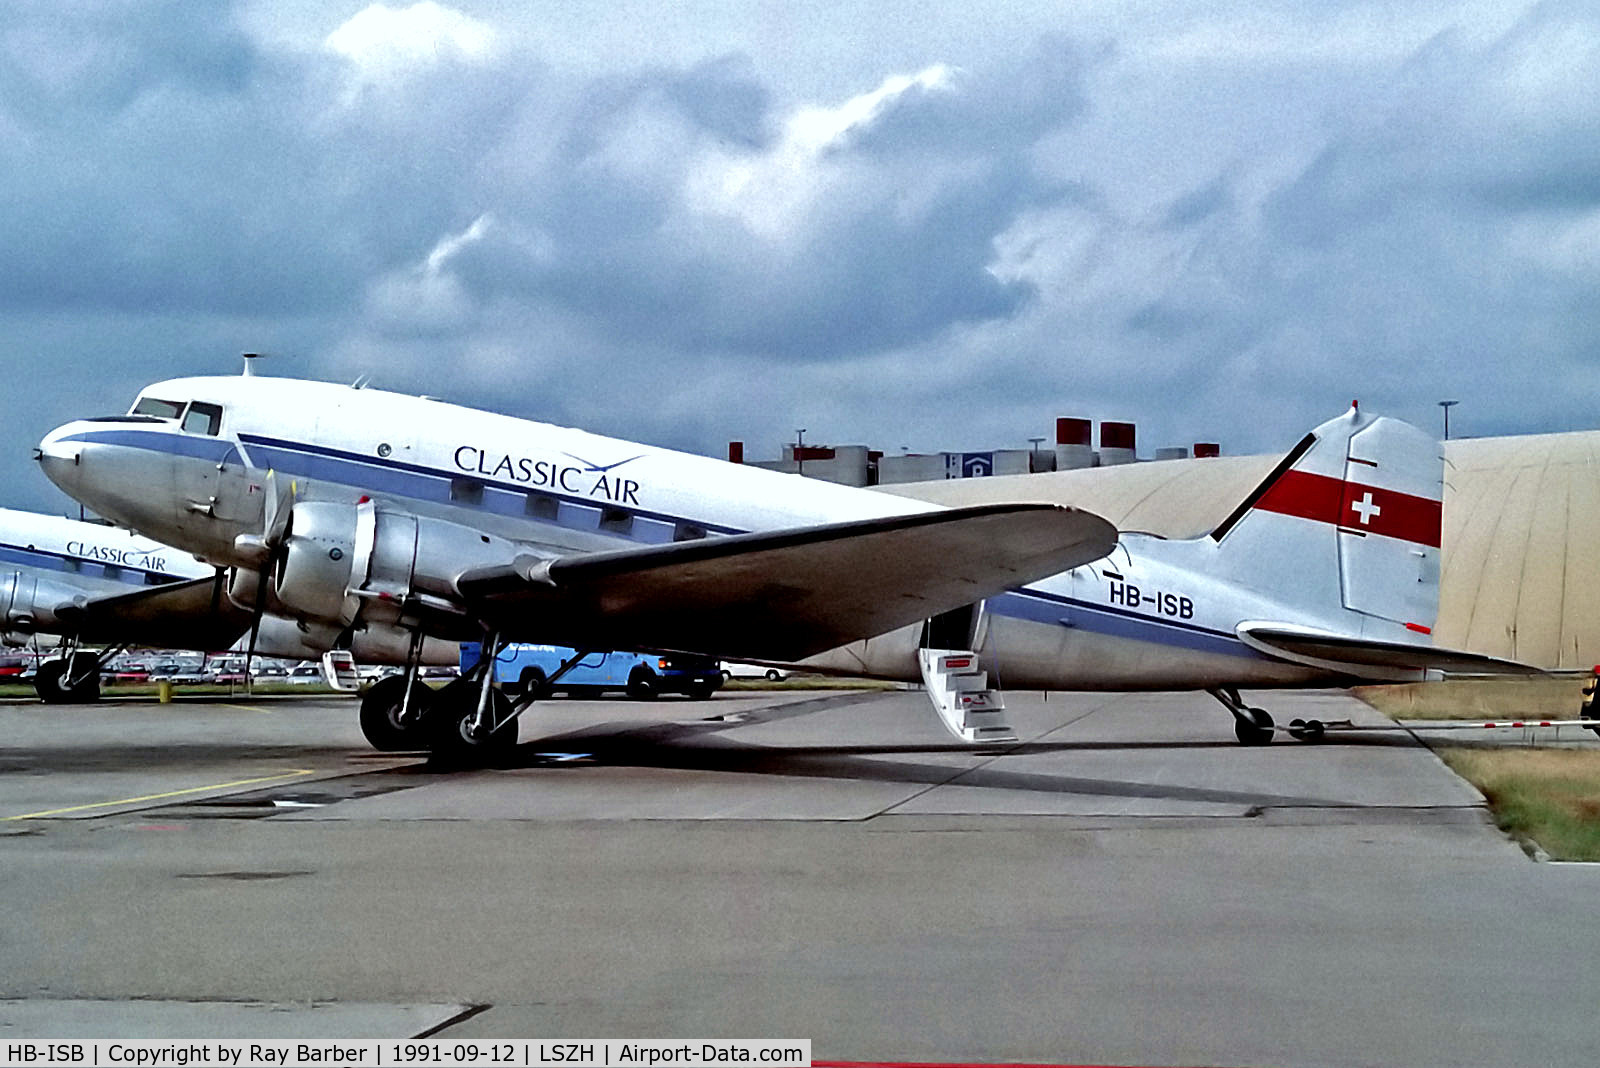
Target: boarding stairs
[959, 689]
[339, 670]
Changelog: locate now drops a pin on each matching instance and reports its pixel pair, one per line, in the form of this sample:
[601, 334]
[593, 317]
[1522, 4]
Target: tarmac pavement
[1126, 885]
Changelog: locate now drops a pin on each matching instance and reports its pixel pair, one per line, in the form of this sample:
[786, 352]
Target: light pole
[1447, 405]
[799, 451]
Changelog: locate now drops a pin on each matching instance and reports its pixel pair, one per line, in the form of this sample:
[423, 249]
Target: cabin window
[616, 521]
[466, 491]
[541, 506]
[162, 409]
[203, 419]
[113, 572]
[688, 532]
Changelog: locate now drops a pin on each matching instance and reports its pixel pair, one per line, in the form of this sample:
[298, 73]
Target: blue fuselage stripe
[1038, 606]
[352, 469]
[417, 482]
[45, 560]
[400, 479]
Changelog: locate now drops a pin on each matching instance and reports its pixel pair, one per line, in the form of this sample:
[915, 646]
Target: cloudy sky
[920, 225]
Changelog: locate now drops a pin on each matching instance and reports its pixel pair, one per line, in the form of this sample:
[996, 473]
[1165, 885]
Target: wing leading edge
[182, 615]
[784, 595]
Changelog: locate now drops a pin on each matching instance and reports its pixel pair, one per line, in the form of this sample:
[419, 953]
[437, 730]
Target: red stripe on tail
[1355, 506]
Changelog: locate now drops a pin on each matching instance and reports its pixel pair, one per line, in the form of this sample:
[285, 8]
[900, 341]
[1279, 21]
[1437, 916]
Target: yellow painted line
[158, 797]
[246, 708]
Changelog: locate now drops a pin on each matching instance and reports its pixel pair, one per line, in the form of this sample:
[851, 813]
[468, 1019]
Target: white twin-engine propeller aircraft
[92, 584]
[404, 517]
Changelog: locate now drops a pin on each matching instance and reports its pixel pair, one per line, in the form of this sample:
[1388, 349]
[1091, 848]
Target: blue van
[642, 676]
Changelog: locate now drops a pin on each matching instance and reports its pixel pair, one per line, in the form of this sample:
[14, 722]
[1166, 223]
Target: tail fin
[1349, 522]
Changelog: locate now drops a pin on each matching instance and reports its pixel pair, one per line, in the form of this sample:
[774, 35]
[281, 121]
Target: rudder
[1349, 521]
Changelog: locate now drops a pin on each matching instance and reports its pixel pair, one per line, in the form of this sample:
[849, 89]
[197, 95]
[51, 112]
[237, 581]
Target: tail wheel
[1254, 727]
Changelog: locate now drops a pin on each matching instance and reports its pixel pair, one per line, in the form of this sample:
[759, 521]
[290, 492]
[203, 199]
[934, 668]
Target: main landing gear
[394, 710]
[1254, 726]
[72, 676]
[468, 722]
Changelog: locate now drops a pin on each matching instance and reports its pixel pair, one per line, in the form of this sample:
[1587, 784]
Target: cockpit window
[164, 409]
[203, 419]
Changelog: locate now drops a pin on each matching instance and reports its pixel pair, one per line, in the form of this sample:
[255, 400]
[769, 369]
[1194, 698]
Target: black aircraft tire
[48, 684]
[1256, 731]
[87, 692]
[453, 745]
[380, 711]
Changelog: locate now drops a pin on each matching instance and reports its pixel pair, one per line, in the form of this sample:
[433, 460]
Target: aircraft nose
[60, 455]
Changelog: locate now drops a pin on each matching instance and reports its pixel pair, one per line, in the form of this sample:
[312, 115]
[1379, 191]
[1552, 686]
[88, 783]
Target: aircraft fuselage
[1148, 617]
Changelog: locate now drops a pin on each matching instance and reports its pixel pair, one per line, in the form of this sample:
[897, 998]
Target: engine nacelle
[293, 639]
[29, 603]
[342, 564]
[315, 574]
[384, 643]
[376, 643]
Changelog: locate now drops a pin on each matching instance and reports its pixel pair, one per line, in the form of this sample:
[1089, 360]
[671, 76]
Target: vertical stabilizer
[1349, 522]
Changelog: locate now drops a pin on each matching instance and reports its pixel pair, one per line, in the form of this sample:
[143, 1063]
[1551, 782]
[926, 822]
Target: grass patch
[186, 689]
[1522, 697]
[1549, 796]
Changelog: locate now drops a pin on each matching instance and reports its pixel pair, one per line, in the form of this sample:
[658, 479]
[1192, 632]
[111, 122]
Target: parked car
[306, 675]
[641, 675]
[733, 669]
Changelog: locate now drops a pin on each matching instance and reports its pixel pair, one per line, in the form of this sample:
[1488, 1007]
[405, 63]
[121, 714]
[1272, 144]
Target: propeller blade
[279, 506]
[256, 612]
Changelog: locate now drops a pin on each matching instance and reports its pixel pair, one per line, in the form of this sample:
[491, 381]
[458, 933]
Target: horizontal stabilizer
[783, 595]
[178, 615]
[1371, 658]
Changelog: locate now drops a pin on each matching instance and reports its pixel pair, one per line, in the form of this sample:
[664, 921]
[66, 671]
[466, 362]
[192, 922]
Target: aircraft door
[228, 487]
[959, 628]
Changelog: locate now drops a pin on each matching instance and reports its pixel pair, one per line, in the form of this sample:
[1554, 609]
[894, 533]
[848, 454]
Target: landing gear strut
[389, 721]
[394, 710]
[472, 722]
[73, 676]
[1252, 726]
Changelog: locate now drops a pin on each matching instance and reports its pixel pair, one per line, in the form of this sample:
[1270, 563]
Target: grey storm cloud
[1252, 209]
[879, 234]
[64, 60]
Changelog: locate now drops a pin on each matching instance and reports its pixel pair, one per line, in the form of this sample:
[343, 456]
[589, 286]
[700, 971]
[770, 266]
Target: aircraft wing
[783, 595]
[1370, 658]
[181, 615]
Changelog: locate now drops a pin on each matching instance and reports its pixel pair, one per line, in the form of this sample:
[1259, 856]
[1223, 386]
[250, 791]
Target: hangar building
[1521, 548]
